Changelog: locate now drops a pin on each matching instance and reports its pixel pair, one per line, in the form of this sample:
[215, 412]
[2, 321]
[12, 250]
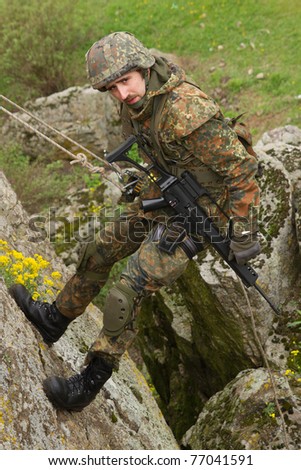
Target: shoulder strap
[132, 127]
[159, 102]
[127, 124]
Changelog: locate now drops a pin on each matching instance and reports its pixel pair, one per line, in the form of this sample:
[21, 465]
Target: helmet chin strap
[139, 104]
[146, 75]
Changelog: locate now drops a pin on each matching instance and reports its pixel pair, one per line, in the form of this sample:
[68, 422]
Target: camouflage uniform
[190, 133]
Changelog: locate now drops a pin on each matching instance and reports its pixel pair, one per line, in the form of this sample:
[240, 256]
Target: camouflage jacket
[190, 133]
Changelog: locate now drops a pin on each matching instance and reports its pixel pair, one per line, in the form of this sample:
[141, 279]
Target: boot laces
[85, 382]
[43, 305]
[88, 381]
[79, 384]
[46, 307]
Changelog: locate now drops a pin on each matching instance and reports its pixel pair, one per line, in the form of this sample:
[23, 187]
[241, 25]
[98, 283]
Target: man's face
[129, 88]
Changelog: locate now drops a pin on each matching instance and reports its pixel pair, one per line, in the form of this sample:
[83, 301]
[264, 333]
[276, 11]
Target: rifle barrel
[273, 307]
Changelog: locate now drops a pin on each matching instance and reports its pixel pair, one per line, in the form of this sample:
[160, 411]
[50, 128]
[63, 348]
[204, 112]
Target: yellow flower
[17, 254]
[26, 270]
[295, 352]
[4, 260]
[56, 275]
[31, 264]
[19, 279]
[29, 277]
[41, 261]
[48, 282]
[17, 268]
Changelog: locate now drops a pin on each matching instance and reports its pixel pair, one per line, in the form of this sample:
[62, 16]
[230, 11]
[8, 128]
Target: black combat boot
[45, 317]
[79, 390]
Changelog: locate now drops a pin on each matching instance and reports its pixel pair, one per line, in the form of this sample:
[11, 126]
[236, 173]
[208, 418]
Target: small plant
[296, 323]
[294, 359]
[92, 181]
[30, 272]
[270, 410]
[294, 363]
[134, 154]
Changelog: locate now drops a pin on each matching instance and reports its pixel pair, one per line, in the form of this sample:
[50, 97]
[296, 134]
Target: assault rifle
[181, 195]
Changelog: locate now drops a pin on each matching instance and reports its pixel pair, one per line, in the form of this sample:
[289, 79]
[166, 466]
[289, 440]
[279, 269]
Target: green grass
[40, 184]
[225, 44]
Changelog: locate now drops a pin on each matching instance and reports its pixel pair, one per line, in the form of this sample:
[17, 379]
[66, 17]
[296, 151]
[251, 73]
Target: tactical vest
[165, 157]
[172, 157]
[175, 158]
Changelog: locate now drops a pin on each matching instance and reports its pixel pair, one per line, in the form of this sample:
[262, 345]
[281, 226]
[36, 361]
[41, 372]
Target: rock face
[199, 334]
[246, 417]
[83, 114]
[123, 416]
[206, 341]
[284, 144]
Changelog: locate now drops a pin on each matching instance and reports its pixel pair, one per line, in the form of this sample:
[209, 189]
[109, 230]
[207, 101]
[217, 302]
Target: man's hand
[243, 249]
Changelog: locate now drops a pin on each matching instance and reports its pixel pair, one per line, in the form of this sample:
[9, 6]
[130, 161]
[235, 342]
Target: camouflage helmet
[113, 56]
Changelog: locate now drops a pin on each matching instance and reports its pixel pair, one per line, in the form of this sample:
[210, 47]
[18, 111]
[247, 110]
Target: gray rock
[81, 113]
[244, 415]
[218, 334]
[124, 415]
[284, 144]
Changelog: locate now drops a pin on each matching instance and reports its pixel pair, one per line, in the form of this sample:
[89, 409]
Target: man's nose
[123, 93]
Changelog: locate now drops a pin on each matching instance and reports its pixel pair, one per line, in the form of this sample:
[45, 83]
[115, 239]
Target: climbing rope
[266, 362]
[80, 158]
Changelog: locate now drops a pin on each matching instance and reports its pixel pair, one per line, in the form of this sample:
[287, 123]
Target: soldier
[186, 131]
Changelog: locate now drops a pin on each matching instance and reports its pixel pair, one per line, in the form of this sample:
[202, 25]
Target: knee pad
[118, 309]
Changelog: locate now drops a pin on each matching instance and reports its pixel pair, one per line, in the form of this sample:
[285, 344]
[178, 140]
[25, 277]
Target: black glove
[245, 248]
[132, 187]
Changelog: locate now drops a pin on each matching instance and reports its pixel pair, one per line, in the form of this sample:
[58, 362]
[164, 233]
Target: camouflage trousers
[147, 270]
